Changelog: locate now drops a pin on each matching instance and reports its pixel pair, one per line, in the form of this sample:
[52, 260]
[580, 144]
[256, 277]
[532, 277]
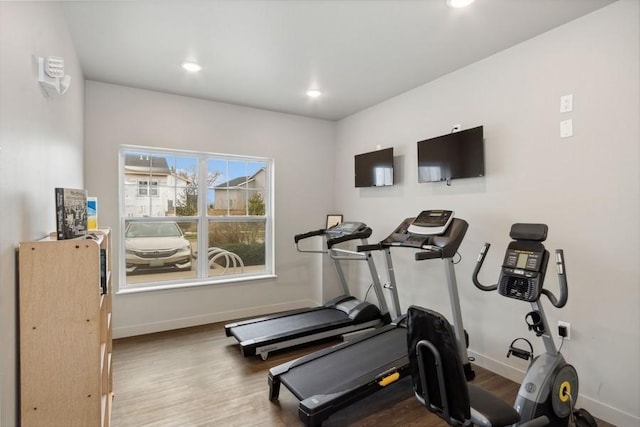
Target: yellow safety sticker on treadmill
[389, 379]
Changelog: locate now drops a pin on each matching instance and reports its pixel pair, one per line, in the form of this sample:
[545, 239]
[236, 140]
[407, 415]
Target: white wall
[302, 149]
[586, 188]
[41, 147]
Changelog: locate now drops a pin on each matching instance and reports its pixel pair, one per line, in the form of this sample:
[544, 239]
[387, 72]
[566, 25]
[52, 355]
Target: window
[145, 190]
[193, 218]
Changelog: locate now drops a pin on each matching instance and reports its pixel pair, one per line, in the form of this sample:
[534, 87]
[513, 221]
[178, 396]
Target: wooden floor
[197, 377]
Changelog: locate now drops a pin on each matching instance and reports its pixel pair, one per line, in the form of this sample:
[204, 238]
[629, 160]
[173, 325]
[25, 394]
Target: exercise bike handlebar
[562, 280]
[476, 270]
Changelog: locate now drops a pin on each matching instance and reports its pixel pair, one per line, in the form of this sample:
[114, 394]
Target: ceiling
[268, 53]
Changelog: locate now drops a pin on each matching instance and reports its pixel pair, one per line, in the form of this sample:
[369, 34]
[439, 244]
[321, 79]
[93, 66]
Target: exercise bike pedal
[517, 352]
[520, 352]
[582, 418]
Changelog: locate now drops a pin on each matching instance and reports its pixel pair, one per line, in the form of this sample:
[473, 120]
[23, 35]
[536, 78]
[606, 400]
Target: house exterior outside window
[194, 218]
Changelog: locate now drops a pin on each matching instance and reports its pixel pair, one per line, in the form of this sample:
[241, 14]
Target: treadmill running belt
[287, 324]
[351, 366]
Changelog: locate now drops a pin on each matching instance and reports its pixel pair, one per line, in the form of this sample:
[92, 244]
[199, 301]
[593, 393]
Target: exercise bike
[550, 387]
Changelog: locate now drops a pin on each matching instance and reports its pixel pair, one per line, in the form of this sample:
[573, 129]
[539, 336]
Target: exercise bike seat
[487, 409]
[438, 376]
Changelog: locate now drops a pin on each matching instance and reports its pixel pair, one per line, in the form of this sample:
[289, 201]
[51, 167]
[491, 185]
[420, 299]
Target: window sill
[177, 286]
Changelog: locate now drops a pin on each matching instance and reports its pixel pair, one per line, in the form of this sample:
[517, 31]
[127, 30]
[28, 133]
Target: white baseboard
[608, 413]
[185, 322]
[497, 367]
[598, 409]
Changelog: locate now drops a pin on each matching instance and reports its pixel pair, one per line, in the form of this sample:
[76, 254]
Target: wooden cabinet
[65, 331]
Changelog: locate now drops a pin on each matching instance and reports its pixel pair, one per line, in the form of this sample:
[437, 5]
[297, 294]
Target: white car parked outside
[156, 245]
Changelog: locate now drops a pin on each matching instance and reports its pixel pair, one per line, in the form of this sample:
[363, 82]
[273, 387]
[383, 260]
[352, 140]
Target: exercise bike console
[523, 269]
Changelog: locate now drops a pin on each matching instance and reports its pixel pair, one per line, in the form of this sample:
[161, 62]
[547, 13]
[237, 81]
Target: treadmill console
[431, 222]
[439, 234]
[523, 271]
[401, 236]
[345, 228]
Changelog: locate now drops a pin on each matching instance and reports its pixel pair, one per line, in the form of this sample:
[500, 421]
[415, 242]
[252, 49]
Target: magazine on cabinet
[71, 213]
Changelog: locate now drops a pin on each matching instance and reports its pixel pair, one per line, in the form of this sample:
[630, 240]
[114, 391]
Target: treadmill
[331, 379]
[339, 316]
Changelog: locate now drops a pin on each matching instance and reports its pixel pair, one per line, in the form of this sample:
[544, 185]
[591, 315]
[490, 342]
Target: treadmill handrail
[349, 255]
[430, 252]
[298, 237]
[363, 234]
[370, 247]
[313, 233]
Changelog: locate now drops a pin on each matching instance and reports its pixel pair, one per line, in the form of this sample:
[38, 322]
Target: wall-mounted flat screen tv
[454, 155]
[374, 169]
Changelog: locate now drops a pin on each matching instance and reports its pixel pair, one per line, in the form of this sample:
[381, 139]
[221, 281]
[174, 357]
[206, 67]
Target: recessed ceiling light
[313, 93]
[192, 66]
[459, 3]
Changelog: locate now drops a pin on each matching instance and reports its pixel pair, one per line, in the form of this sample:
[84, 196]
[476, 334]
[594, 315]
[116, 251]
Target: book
[71, 213]
[103, 271]
[92, 213]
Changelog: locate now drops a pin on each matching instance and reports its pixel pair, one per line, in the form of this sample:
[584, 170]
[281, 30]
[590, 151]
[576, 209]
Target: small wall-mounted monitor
[451, 156]
[374, 169]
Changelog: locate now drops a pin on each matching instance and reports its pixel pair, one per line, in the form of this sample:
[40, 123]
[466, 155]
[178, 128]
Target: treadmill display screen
[345, 228]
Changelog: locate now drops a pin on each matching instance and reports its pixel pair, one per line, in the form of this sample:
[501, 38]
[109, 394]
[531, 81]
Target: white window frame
[203, 220]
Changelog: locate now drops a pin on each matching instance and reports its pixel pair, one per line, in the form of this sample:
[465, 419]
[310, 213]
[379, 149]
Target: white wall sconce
[51, 76]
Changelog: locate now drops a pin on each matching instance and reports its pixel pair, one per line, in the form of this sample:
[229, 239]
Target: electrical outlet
[564, 330]
[566, 128]
[566, 103]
